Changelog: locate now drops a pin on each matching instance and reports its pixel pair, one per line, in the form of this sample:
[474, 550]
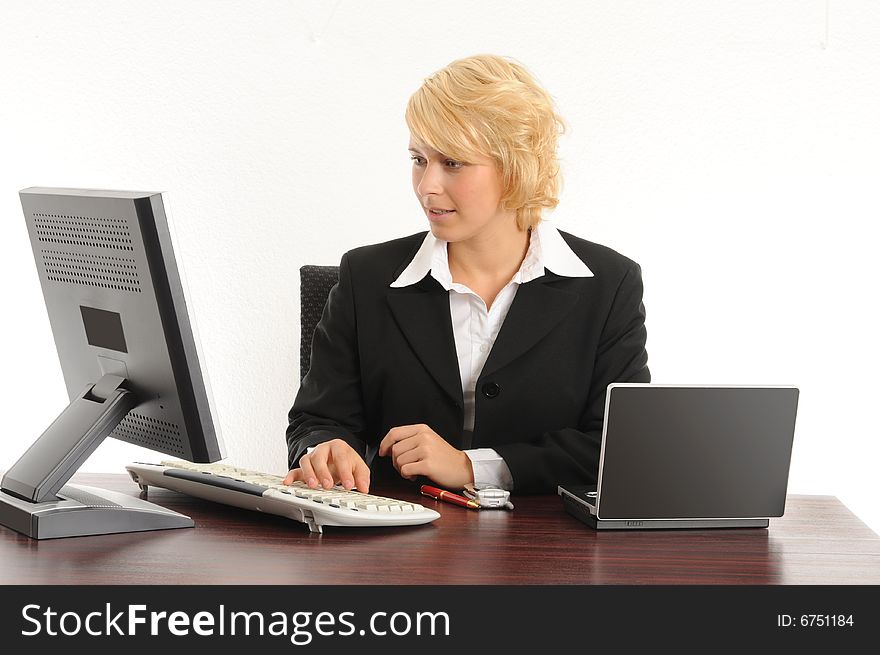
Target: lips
[440, 212]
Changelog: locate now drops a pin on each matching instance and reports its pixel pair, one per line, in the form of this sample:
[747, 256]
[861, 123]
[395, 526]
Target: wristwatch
[489, 497]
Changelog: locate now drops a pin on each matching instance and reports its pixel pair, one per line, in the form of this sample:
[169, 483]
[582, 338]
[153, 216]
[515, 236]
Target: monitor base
[80, 511]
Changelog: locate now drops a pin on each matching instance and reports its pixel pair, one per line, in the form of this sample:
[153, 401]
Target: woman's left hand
[418, 450]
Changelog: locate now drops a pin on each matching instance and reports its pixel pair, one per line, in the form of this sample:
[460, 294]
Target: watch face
[492, 497]
[488, 497]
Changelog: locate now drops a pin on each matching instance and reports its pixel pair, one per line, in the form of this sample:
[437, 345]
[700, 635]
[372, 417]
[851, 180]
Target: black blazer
[383, 357]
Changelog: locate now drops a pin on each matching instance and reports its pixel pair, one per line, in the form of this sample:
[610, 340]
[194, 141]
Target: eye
[417, 160]
[452, 163]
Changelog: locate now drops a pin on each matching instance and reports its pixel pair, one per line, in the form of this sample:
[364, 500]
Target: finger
[362, 476]
[414, 469]
[294, 475]
[405, 445]
[305, 463]
[396, 434]
[343, 463]
[318, 460]
[408, 457]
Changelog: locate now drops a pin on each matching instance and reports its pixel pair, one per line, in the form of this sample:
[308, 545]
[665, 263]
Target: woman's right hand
[330, 463]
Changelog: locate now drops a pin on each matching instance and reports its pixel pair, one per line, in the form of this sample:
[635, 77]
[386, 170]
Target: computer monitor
[130, 356]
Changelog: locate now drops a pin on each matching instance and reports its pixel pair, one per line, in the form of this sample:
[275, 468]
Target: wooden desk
[818, 541]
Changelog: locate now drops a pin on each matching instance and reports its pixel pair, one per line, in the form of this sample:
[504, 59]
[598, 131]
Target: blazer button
[491, 390]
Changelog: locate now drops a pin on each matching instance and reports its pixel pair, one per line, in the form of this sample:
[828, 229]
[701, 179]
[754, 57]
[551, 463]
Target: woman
[479, 352]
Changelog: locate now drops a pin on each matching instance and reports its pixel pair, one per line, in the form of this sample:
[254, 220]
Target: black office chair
[315, 283]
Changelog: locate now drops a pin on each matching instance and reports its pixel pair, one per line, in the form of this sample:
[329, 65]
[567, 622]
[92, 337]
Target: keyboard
[264, 492]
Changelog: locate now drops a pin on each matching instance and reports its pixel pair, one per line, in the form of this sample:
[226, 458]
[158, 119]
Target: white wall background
[729, 147]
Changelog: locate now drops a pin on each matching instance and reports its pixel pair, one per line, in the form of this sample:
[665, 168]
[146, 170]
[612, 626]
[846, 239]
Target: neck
[490, 255]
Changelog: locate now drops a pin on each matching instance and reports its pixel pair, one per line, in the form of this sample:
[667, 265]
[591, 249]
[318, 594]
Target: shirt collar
[547, 251]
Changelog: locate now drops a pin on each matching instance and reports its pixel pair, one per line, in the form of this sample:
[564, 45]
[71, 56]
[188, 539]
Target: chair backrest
[315, 283]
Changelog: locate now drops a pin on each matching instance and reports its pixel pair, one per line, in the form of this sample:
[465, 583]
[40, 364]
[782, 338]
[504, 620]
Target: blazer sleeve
[329, 404]
[571, 455]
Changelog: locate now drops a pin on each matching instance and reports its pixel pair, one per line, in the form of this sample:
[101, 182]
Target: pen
[449, 497]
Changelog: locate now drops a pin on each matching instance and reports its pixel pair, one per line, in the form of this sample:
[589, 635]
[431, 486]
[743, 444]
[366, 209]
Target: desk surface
[818, 541]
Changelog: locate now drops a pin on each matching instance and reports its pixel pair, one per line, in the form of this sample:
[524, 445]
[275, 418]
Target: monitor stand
[34, 497]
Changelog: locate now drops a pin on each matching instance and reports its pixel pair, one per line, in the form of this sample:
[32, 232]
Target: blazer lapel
[537, 308]
[422, 312]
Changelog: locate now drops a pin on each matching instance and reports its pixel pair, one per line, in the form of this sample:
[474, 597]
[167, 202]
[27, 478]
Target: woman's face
[461, 200]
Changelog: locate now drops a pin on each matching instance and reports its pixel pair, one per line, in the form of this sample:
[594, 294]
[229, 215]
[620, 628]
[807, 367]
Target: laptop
[689, 457]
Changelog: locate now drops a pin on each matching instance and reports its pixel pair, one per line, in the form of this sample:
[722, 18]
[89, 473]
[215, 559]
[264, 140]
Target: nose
[430, 182]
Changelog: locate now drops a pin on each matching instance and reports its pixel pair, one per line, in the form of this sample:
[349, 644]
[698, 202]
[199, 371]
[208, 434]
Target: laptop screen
[696, 452]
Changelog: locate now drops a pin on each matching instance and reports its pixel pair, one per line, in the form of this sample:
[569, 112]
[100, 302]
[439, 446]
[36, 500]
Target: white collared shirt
[475, 327]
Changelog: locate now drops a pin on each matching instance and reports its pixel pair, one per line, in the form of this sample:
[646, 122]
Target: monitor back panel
[109, 280]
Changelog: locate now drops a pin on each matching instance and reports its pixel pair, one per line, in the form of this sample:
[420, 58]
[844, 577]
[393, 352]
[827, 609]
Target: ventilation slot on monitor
[91, 270]
[151, 433]
[60, 229]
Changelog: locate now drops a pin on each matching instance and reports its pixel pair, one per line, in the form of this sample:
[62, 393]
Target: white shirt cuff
[490, 469]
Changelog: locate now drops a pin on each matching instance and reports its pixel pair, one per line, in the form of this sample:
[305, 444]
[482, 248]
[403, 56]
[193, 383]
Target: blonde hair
[492, 106]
